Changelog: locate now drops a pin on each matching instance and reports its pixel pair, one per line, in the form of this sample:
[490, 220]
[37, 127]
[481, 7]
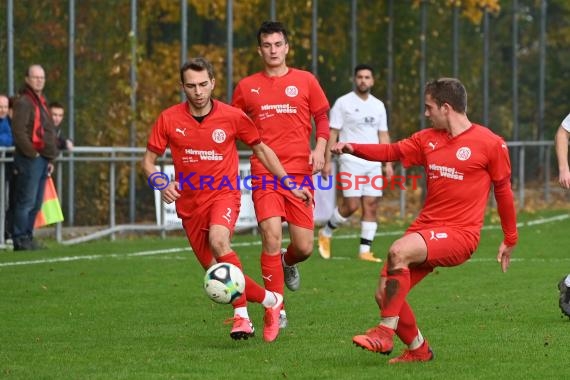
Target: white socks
[335, 220]
[242, 312]
[271, 299]
[417, 342]
[391, 322]
[367, 232]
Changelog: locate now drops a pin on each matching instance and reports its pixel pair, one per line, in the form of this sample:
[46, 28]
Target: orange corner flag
[50, 212]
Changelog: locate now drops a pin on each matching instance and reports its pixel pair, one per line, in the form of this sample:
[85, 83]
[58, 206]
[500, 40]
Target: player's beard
[363, 90]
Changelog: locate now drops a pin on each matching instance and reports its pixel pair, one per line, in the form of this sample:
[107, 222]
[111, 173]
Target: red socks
[407, 328]
[272, 272]
[397, 288]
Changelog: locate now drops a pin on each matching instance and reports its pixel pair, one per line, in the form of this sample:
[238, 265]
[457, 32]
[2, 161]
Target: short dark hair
[450, 91]
[56, 105]
[197, 64]
[270, 27]
[363, 66]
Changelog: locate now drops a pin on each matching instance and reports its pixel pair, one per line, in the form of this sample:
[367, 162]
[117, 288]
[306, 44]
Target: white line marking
[257, 243]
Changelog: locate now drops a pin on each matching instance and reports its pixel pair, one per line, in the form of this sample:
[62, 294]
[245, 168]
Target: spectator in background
[6, 140]
[57, 112]
[35, 142]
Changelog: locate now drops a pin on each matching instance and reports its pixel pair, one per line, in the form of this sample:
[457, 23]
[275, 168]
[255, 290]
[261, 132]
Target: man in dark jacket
[35, 142]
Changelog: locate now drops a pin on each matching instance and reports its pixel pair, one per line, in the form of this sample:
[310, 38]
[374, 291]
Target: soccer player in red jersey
[461, 161]
[202, 134]
[281, 101]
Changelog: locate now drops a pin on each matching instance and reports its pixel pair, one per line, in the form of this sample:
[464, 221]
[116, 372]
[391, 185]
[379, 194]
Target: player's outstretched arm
[384, 138]
[341, 148]
[370, 152]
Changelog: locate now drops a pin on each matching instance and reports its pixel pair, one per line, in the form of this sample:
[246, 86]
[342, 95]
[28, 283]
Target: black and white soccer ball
[224, 283]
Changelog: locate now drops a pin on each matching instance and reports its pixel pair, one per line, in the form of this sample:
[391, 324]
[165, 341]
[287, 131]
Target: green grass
[112, 313]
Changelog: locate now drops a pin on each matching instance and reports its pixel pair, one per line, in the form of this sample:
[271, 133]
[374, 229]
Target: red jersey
[204, 154]
[281, 108]
[459, 171]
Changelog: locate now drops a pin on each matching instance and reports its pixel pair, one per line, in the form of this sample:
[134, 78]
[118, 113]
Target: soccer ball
[224, 283]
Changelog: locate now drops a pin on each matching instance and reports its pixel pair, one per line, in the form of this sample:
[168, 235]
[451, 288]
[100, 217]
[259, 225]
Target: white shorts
[357, 179]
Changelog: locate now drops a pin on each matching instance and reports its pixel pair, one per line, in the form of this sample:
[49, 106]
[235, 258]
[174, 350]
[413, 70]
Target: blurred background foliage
[103, 115]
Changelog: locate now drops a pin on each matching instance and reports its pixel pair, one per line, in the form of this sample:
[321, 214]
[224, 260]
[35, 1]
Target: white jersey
[358, 120]
[566, 123]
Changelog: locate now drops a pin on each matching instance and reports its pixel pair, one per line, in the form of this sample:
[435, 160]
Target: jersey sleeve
[238, 99]
[318, 101]
[247, 131]
[336, 120]
[158, 138]
[377, 152]
[499, 161]
[411, 152]
[507, 211]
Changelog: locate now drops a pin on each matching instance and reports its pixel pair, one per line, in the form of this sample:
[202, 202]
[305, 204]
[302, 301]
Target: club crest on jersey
[291, 91]
[219, 136]
[463, 153]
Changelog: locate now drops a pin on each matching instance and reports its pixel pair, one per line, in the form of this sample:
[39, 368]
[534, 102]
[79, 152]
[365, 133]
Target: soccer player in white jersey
[357, 116]
[561, 144]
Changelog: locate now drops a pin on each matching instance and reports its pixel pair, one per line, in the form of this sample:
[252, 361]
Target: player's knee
[271, 245]
[350, 209]
[271, 242]
[396, 257]
[218, 245]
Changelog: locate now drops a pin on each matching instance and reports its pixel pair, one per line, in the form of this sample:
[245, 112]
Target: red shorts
[446, 247]
[222, 212]
[270, 201]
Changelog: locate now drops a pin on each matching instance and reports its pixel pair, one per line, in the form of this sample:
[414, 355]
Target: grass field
[135, 309]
